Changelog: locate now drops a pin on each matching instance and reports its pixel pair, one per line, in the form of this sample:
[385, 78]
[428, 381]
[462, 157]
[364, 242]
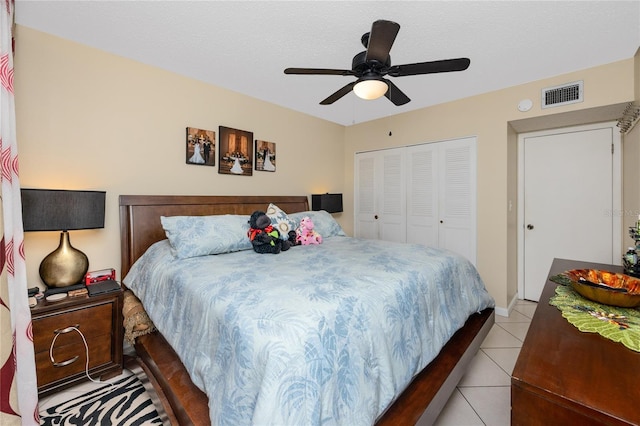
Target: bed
[406, 393]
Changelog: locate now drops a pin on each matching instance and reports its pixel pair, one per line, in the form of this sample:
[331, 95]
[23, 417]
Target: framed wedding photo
[235, 153]
[201, 147]
[265, 156]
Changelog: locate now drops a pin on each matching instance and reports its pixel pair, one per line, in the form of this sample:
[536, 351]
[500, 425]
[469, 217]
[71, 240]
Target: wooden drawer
[92, 322]
[99, 354]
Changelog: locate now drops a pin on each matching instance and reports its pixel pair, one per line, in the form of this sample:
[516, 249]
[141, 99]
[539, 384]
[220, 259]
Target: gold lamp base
[65, 265]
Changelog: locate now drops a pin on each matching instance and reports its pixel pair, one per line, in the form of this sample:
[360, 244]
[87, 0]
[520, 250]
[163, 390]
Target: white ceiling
[245, 45]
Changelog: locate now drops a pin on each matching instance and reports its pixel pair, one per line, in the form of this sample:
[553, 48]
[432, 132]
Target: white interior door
[568, 201]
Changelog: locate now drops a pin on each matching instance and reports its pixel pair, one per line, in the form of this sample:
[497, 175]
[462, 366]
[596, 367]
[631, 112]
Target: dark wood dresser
[567, 377]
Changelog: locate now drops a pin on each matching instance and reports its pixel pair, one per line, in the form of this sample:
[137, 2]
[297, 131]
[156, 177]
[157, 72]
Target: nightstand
[60, 350]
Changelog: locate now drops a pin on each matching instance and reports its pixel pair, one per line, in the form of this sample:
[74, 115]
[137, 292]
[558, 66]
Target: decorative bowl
[605, 287]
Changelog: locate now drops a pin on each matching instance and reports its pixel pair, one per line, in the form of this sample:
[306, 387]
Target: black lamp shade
[331, 203]
[62, 210]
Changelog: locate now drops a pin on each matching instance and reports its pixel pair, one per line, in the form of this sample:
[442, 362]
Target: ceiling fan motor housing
[359, 65]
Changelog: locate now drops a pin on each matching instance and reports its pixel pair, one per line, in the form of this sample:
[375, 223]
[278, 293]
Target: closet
[423, 194]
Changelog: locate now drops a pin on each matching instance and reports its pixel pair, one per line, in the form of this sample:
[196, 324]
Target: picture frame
[265, 155]
[235, 153]
[200, 147]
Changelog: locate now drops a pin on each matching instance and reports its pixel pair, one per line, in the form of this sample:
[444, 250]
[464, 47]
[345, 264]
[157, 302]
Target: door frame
[616, 212]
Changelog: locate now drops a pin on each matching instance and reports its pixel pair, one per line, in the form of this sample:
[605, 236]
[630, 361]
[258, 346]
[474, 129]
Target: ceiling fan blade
[395, 95]
[445, 65]
[338, 94]
[317, 71]
[381, 38]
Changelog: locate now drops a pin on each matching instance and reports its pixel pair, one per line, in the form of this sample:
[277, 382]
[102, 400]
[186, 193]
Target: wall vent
[566, 94]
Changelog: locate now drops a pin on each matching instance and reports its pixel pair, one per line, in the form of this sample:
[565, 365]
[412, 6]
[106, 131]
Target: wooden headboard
[140, 225]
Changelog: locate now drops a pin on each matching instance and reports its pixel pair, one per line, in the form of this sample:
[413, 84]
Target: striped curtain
[18, 385]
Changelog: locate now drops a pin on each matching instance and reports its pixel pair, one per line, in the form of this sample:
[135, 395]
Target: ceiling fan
[373, 64]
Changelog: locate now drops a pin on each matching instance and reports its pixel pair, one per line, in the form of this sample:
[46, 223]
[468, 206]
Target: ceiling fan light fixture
[370, 89]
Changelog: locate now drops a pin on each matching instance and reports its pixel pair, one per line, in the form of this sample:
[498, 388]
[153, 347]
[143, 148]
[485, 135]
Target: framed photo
[235, 152]
[265, 156]
[201, 147]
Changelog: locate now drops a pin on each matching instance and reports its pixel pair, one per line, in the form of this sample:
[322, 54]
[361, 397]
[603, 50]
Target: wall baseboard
[504, 312]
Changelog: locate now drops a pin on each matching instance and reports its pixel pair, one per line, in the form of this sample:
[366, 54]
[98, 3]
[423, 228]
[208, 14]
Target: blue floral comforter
[316, 335]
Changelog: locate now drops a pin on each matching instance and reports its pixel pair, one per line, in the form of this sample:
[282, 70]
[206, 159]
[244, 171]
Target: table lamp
[331, 203]
[62, 210]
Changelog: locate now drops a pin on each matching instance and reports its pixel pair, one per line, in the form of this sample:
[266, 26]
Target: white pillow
[280, 221]
[192, 236]
[323, 223]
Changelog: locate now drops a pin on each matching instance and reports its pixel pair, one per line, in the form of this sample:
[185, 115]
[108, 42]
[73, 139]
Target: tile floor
[483, 396]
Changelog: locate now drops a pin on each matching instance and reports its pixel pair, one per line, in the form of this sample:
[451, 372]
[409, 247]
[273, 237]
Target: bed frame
[184, 403]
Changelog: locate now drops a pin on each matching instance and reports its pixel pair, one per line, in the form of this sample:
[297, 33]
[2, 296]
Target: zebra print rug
[124, 402]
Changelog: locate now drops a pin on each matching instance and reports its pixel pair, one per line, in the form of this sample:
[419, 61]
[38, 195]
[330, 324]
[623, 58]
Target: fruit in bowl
[609, 288]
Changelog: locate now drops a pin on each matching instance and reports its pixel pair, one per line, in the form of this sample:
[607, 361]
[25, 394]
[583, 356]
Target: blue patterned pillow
[324, 224]
[192, 236]
[280, 221]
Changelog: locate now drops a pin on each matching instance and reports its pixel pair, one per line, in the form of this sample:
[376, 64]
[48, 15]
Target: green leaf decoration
[561, 279]
[618, 324]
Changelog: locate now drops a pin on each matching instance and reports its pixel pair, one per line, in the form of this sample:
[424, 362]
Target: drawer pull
[72, 360]
[58, 332]
[53, 342]
[66, 330]
[64, 363]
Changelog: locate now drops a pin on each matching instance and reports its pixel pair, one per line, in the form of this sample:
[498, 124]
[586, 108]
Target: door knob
[529, 226]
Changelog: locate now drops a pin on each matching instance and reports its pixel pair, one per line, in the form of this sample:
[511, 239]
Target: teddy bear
[305, 234]
[264, 237]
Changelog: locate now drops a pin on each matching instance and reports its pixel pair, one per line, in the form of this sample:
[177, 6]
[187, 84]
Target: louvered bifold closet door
[380, 195]
[422, 194]
[366, 223]
[392, 209]
[457, 196]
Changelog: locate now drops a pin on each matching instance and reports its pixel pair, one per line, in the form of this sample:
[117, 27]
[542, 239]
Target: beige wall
[512, 215]
[492, 117]
[631, 171]
[631, 193]
[636, 65]
[91, 120]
